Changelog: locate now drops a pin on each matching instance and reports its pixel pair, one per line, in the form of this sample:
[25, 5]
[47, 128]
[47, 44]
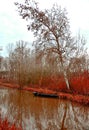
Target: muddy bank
[84, 99]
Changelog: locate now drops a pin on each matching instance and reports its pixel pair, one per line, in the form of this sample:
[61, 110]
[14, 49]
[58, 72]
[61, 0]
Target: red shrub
[5, 125]
[54, 83]
[80, 84]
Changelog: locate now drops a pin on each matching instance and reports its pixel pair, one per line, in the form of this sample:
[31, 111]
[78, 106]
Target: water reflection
[35, 113]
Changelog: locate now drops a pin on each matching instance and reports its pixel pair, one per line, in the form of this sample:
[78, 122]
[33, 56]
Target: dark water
[35, 113]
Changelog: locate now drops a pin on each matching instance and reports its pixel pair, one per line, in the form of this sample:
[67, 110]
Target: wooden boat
[45, 95]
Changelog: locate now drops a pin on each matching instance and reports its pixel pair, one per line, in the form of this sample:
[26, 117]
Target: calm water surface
[35, 113]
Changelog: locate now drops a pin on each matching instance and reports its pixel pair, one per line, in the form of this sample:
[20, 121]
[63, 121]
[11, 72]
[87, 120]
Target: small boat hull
[45, 95]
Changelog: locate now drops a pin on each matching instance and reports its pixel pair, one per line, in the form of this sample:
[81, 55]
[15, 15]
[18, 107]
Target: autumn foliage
[5, 125]
[79, 87]
[78, 84]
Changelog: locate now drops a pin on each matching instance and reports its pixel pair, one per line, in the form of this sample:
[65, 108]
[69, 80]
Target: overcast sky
[13, 28]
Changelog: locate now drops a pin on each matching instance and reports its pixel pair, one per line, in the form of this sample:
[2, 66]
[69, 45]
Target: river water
[37, 113]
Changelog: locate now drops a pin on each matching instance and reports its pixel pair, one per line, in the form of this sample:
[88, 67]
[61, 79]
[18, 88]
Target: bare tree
[19, 63]
[78, 63]
[52, 31]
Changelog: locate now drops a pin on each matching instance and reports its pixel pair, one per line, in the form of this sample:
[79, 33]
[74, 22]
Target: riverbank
[84, 99]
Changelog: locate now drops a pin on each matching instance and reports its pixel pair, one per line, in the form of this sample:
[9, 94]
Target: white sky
[13, 28]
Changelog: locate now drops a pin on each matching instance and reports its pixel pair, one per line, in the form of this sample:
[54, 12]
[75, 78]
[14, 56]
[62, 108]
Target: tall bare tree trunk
[66, 80]
[65, 76]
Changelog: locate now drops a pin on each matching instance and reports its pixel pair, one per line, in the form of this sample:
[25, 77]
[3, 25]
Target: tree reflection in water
[34, 113]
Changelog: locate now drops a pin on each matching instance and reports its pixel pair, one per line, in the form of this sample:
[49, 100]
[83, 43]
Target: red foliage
[80, 84]
[5, 125]
[54, 83]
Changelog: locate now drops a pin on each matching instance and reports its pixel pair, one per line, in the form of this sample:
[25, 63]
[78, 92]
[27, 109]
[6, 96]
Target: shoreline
[82, 99]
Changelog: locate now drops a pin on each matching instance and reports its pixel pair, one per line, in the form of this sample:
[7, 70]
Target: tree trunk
[65, 76]
[66, 80]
